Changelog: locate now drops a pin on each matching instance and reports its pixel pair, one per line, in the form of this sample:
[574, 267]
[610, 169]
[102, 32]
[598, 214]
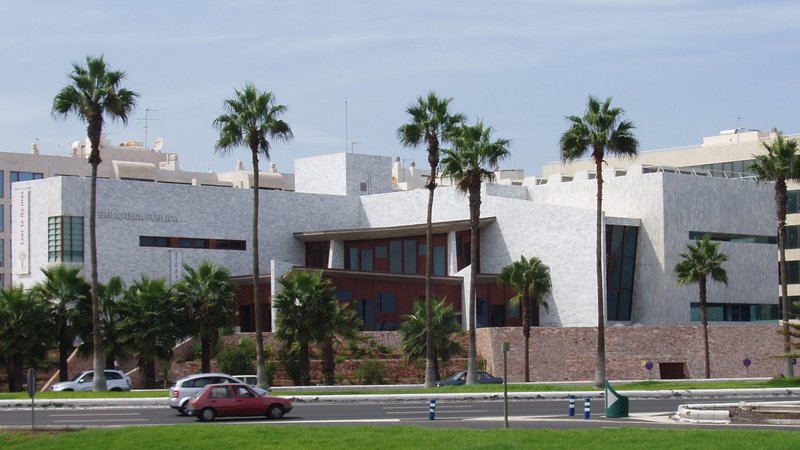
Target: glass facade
[737, 312]
[25, 176]
[730, 237]
[406, 255]
[65, 239]
[621, 266]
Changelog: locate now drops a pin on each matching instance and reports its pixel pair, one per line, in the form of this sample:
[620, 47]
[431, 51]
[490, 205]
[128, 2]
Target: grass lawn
[393, 437]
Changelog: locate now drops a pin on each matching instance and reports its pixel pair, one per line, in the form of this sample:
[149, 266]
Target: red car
[230, 399]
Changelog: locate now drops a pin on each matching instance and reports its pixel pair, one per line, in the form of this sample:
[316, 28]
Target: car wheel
[275, 412]
[207, 415]
[67, 390]
[184, 408]
[116, 390]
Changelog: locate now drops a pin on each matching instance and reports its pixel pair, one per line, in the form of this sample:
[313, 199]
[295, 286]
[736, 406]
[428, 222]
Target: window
[410, 256]
[439, 261]
[65, 239]
[228, 244]
[366, 259]
[193, 243]
[352, 258]
[25, 176]
[792, 202]
[737, 312]
[621, 266]
[2, 218]
[153, 241]
[386, 302]
[395, 256]
[2, 254]
[2, 183]
[317, 254]
[730, 237]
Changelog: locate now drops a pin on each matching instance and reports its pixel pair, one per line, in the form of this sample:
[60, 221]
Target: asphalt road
[534, 413]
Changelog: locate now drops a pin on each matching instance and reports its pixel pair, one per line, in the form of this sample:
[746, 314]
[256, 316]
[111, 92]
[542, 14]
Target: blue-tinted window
[65, 239]
[25, 176]
[2, 183]
[439, 261]
[737, 312]
[482, 313]
[792, 202]
[381, 251]
[410, 256]
[386, 302]
[352, 258]
[620, 270]
[395, 256]
[366, 259]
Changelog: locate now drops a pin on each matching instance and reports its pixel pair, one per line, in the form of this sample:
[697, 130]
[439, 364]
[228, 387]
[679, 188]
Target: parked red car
[231, 399]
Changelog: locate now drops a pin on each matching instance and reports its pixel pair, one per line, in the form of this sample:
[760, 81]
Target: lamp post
[505, 384]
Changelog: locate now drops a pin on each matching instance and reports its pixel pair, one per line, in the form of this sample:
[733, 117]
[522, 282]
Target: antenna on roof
[346, 138]
[353, 144]
[146, 120]
[738, 119]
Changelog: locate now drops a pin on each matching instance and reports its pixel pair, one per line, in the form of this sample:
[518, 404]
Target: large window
[25, 176]
[406, 255]
[196, 243]
[65, 239]
[731, 237]
[2, 183]
[2, 253]
[621, 253]
[2, 218]
[792, 202]
[737, 312]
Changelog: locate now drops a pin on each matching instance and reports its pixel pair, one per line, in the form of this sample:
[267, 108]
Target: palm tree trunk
[430, 371]
[99, 380]
[14, 367]
[328, 362]
[303, 360]
[205, 354]
[780, 202]
[64, 346]
[526, 333]
[261, 368]
[704, 320]
[150, 374]
[600, 374]
[474, 220]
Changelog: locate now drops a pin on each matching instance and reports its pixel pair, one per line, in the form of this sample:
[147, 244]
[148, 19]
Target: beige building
[126, 161]
[727, 155]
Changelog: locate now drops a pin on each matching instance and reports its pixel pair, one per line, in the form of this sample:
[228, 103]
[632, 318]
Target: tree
[24, 334]
[63, 289]
[600, 131]
[111, 296]
[414, 339]
[153, 321]
[531, 279]
[696, 265]
[780, 164]
[344, 326]
[95, 93]
[431, 123]
[304, 308]
[252, 118]
[208, 298]
[471, 161]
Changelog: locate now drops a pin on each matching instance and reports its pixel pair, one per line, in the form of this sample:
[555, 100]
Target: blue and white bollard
[432, 409]
[587, 408]
[571, 405]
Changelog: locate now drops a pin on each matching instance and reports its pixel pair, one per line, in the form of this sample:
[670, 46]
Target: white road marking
[94, 414]
[101, 420]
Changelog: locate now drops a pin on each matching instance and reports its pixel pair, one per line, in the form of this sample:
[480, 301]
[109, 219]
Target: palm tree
[252, 118]
[469, 163]
[780, 164]
[431, 123]
[304, 308]
[414, 339]
[153, 321]
[95, 93]
[344, 326]
[24, 334]
[111, 296]
[600, 131]
[208, 297]
[531, 279]
[696, 265]
[63, 289]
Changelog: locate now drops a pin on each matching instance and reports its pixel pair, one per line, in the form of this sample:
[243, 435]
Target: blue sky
[681, 69]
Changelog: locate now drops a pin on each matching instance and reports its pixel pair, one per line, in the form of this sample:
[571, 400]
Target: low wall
[569, 354]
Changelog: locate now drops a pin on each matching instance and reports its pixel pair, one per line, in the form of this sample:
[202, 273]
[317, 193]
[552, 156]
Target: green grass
[393, 437]
[491, 388]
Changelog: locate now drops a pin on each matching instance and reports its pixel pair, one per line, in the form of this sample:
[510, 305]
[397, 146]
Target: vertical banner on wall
[21, 231]
[175, 266]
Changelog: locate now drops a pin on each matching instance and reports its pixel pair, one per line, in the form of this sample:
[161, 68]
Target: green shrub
[371, 372]
[239, 359]
[338, 359]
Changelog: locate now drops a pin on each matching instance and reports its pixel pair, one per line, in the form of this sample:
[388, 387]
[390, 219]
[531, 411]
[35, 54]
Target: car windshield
[456, 376]
[78, 376]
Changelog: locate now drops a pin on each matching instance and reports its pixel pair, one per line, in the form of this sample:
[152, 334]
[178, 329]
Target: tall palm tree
[414, 337]
[63, 289]
[697, 264]
[472, 160]
[93, 95]
[251, 119]
[780, 164]
[600, 131]
[432, 124]
[208, 298]
[24, 334]
[304, 308]
[531, 279]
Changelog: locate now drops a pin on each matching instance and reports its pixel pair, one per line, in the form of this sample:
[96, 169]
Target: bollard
[587, 408]
[571, 405]
[432, 409]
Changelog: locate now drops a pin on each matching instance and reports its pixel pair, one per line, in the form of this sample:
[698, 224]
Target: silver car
[187, 387]
[116, 380]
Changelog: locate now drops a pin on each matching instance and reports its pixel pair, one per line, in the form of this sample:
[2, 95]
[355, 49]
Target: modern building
[129, 160]
[727, 155]
[369, 239]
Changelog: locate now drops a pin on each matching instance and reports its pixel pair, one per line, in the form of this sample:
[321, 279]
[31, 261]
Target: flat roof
[388, 232]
